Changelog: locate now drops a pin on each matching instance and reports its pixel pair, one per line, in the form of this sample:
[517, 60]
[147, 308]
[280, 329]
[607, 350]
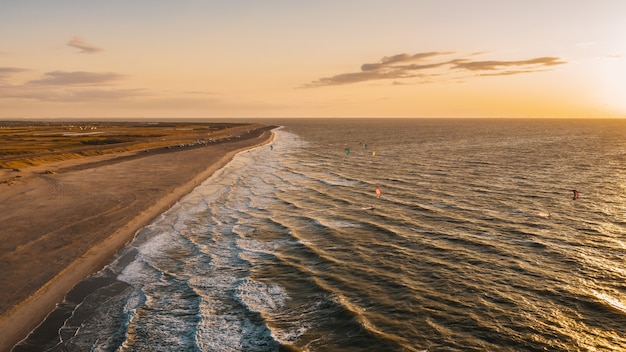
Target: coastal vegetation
[31, 143]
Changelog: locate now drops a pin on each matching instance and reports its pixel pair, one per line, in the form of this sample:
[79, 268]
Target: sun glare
[611, 76]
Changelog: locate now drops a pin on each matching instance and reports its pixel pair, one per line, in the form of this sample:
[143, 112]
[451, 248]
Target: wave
[289, 248]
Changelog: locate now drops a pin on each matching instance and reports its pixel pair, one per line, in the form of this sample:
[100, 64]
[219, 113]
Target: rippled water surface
[475, 245]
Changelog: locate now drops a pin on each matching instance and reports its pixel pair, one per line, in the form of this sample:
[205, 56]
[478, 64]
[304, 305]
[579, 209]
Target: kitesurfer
[575, 194]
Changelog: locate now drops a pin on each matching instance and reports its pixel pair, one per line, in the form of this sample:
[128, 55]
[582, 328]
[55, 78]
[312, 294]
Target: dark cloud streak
[389, 61]
[388, 68]
[84, 47]
[496, 65]
[8, 71]
[405, 66]
[72, 94]
[77, 86]
[508, 73]
[63, 78]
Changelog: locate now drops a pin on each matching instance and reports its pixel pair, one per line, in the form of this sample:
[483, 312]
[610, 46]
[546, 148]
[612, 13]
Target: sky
[322, 58]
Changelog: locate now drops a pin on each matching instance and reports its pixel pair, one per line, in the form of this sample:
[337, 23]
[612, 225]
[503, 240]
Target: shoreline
[21, 318]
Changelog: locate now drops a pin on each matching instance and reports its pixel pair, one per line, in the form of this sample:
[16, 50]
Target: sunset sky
[323, 58]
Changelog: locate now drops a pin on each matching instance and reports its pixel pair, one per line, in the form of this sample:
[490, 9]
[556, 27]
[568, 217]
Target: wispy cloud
[62, 78]
[11, 69]
[75, 86]
[492, 65]
[8, 71]
[389, 67]
[105, 94]
[83, 46]
[70, 94]
[394, 61]
[586, 44]
[429, 64]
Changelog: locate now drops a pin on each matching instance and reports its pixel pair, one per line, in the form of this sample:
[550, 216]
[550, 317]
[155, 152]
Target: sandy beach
[61, 222]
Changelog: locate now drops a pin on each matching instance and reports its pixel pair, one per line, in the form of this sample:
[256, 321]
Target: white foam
[138, 273]
[243, 230]
[156, 244]
[260, 297]
[611, 301]
[227, 332]
[256, 246]
[332, 223]
[270, 300]
[207, 285]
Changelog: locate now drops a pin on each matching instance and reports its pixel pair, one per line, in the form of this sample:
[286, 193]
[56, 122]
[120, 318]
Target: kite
[378, 193]
[575, 194]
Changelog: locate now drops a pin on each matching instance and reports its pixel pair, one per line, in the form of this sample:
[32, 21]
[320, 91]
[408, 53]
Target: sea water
[475, 244]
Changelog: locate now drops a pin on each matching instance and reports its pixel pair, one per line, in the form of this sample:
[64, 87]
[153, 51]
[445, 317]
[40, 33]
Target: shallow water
[475, 245]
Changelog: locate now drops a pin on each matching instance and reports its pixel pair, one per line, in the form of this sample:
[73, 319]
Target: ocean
[475, 244]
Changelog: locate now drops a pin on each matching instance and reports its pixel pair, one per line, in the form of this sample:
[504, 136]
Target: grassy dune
[30, 143]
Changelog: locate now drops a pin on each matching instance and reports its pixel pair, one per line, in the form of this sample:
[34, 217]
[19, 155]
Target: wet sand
[62, 222]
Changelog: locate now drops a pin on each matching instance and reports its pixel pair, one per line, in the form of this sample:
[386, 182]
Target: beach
[288, 247]
[63, 221]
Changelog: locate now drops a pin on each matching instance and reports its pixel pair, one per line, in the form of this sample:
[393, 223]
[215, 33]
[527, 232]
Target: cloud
[62, 78]
[429, 64]
[8, 71]
[76, 86]
[11, 70]
[104, 94]
[198, 92]
[84, 47]
[508, 73]
[391, 61]
[586, 44]
[492, 65]
[400, 66]
[72, 94]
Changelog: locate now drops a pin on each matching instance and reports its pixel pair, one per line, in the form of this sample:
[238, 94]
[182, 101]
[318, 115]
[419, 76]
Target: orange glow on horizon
[397, 59]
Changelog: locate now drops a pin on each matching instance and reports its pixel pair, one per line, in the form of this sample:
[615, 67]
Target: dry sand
[57, 228]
